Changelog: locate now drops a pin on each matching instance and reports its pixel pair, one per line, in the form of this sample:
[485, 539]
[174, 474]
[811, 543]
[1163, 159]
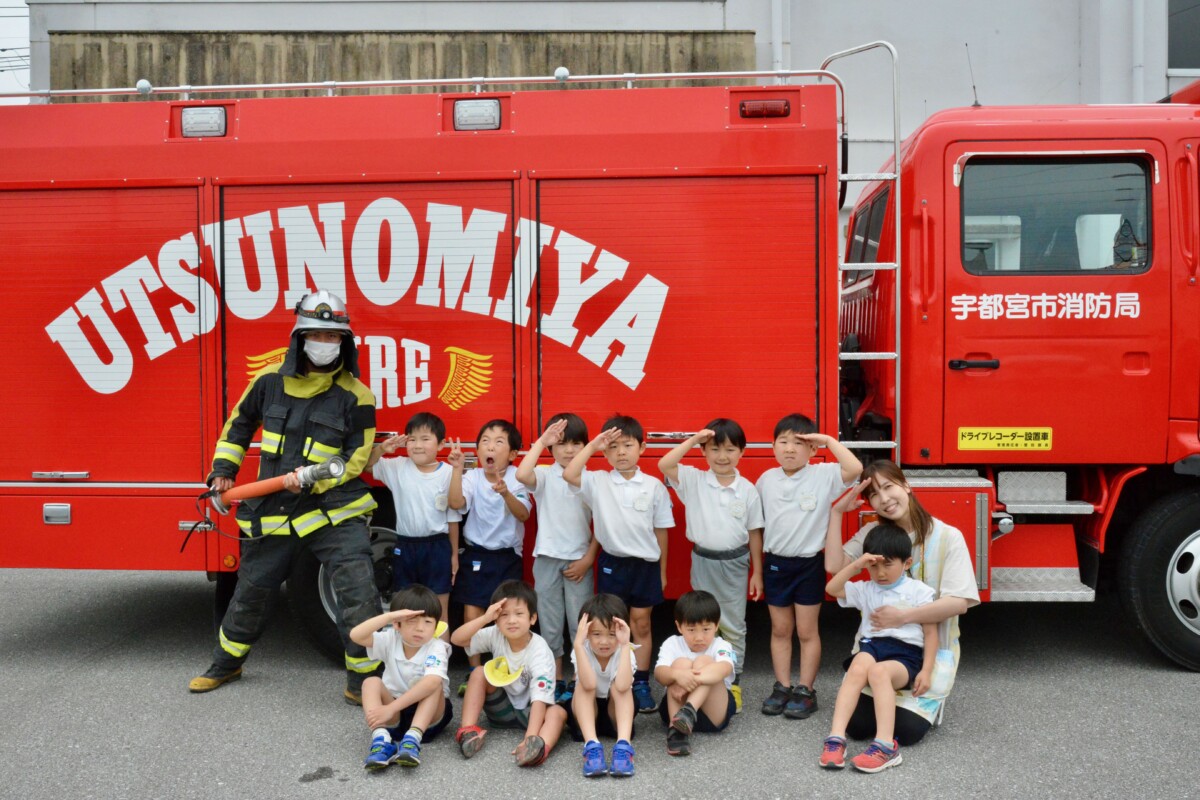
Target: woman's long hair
[918, 518]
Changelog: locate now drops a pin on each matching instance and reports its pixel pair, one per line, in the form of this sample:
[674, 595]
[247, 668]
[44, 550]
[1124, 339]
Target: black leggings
[910, 727]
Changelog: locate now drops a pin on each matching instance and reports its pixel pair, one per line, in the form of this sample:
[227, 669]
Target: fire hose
[223, 501]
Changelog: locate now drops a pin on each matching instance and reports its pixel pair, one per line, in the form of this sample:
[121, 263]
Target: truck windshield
[1055, 215]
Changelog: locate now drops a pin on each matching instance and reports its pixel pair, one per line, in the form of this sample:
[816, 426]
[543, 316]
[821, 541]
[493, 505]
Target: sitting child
[697, 668]
[887, 660]
[603, 700]
[413, 697]
[525, 699]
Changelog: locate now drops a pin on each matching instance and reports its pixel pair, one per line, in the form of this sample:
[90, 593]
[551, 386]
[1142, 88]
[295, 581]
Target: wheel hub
[1183, 582]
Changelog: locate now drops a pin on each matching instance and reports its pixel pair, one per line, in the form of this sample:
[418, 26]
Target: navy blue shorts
[885, 648]
[406, 719]
[794, 581]
[424, 560]
[703, 723]
[481, 570]
[604, 723]
[635, 580]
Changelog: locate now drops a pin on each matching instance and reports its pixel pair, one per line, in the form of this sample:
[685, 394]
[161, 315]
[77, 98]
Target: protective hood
[296, 363]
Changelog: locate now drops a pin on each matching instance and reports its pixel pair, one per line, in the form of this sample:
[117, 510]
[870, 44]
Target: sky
[14, 48]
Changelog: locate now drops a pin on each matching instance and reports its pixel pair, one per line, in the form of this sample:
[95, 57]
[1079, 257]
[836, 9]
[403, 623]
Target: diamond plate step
[1039, 585]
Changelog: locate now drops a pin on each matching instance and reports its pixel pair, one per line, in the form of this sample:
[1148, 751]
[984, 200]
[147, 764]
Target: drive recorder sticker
[1005, 438]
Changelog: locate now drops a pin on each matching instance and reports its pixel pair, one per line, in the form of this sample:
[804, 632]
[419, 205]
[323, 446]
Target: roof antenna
[976, 104]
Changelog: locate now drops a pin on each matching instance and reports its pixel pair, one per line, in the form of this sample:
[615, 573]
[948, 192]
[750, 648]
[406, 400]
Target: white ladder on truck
[844, 267]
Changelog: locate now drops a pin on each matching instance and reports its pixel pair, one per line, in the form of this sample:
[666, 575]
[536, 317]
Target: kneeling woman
[940, 560]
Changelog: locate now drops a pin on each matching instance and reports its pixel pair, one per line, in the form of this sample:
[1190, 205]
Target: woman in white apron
[940, 560]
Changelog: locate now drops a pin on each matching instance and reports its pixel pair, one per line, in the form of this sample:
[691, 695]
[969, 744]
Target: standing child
[494, 532]
[564, 550]
[697, 668]
[725, 526]
[632, 512]
[603, 699]
[426, 550]
[412, 699]
[523, 666]
[796, 497]
[888, 659]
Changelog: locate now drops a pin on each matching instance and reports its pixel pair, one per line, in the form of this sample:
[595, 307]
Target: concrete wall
[118, 59]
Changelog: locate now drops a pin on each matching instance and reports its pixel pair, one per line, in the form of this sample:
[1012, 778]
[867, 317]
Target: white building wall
[1022, 51]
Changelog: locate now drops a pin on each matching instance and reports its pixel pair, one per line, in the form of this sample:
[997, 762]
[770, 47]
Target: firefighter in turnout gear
[311, 408]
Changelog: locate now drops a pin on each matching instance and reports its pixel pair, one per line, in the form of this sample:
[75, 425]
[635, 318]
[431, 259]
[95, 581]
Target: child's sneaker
[381, 754]
[410, 752]
[462, 687]
[470, 740]
[643, 698]
[833, 756]
[802, 703]
[684, 720]
[736, 691]
[779, 697]
[877, 758]
[678, 744]
[593, 760]
[622, 759]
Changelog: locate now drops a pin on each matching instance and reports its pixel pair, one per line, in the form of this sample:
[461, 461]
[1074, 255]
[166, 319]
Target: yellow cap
[497, 674]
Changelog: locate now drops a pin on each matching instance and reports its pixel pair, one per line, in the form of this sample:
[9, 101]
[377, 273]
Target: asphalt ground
[1052, 700]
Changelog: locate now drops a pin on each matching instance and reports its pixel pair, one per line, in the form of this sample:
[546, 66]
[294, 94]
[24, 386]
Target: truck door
[1057, 305]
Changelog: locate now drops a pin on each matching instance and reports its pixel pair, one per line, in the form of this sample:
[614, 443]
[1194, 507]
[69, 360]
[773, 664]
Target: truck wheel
[1160, 576]
[311, 598]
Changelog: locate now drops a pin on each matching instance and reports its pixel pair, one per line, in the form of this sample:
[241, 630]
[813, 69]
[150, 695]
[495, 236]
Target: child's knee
[700, 662]
[682, 663]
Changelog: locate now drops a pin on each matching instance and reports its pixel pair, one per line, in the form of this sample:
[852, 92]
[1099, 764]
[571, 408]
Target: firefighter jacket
[306, 418]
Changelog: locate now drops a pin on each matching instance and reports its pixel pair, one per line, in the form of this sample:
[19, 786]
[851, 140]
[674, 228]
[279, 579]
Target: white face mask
[322, 354]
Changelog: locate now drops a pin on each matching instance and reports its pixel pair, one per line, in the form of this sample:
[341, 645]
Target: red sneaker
[875, 758]
[834, 754]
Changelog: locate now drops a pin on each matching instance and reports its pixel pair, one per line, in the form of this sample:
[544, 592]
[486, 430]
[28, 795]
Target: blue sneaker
[622, 759]
[410, 752]
[593, 760]
[382, 754]
[643, 698]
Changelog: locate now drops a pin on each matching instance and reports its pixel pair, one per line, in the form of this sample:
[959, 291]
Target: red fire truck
[1011, 313]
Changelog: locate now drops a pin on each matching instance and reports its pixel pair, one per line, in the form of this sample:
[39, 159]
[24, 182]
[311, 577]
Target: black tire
[1159, 576]
[311, 599]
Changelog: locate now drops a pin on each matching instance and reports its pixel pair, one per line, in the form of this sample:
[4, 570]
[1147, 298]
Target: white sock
[414, 733]
[381, 733]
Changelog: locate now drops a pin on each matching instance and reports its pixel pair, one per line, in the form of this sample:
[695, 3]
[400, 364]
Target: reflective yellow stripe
[315, 451]
[360, 506]
[275, 525]
[307, 523]
[247, 526]
[230, 452]
[361, 664]
[272, 442]
[235, 649]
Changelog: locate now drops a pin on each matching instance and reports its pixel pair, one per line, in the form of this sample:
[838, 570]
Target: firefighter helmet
[322, 311]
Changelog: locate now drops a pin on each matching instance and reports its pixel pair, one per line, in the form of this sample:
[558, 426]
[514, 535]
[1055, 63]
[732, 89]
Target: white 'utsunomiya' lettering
[366, 260]
[104, 377]
[573, 292]
[456, 250]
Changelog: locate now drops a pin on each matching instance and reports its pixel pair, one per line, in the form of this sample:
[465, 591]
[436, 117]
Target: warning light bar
[750, 109]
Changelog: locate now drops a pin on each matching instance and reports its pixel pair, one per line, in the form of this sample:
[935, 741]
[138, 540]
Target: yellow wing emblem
[256, 363]
[469, 378]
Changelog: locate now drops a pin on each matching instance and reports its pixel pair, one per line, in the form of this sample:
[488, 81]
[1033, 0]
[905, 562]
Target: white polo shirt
[796, 508]
[905, 593]
[422, 499]
[718, 517]
[676, 648]
[606, 675]
[564, 520]
[537, 678]
[957, 573]
[490, 524]
[626, 512]
[400, 673]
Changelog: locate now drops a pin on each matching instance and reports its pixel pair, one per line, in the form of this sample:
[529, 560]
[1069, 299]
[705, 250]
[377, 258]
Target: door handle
[959, 364]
